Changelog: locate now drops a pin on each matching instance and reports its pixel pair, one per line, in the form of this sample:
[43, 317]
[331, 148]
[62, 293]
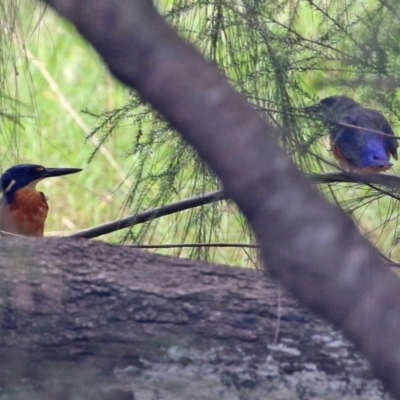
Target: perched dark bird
[23, 209]
[364, 147]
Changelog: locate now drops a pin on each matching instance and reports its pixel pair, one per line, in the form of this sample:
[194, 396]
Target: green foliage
[282, 55]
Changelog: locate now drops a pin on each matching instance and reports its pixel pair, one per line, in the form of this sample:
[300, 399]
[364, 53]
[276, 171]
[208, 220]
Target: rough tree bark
[309, 245]
[85, 320]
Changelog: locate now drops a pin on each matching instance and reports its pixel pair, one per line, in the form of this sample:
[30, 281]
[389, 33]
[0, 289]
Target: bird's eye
[34, 170]
[327, 102]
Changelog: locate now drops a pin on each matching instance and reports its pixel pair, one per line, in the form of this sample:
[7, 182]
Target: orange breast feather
[26, 214]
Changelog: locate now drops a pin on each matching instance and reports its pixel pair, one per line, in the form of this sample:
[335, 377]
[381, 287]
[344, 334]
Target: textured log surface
[83, 320]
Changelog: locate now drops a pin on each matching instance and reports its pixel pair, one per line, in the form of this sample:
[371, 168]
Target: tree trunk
[86, 320]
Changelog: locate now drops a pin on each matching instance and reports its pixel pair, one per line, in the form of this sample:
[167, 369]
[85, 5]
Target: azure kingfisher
[365, 147]
[23, 209]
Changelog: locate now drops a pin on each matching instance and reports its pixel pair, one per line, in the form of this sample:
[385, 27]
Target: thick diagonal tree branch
[308, 244]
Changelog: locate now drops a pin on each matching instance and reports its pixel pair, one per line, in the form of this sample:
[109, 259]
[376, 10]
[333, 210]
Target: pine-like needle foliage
[12, 109]
[282, 55]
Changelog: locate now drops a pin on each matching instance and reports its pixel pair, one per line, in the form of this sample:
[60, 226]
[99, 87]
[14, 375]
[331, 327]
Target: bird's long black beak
[49, 172]
[314, 108]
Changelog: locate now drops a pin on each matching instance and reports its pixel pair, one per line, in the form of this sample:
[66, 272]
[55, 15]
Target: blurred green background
[282, 55]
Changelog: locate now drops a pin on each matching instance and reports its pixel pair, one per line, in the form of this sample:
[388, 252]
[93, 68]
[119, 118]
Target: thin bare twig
[151, 214]
[390, 181]
[191, 245]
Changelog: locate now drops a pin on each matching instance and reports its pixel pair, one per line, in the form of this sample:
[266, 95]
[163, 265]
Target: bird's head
[331, 107]
[22, 175]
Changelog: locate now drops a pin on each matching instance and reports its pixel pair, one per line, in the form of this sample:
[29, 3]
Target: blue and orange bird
[364, 147]
[23, 209]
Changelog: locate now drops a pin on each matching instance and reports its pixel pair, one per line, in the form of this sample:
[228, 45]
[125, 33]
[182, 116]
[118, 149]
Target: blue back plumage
[367, 144]
[363, 148]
